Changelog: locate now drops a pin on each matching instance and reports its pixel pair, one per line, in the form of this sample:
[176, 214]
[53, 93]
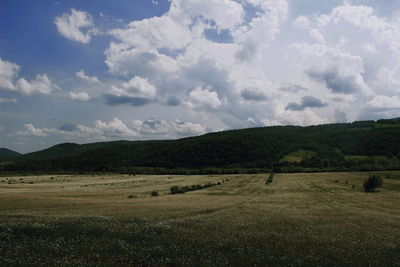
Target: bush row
[183, 189]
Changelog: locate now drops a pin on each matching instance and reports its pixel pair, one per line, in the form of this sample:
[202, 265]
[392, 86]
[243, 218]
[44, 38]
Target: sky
[86, 71]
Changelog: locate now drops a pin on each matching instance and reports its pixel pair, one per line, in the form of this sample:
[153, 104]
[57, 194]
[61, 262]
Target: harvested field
[298, 219]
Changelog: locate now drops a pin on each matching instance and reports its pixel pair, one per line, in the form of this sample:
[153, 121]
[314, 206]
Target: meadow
[113, 219]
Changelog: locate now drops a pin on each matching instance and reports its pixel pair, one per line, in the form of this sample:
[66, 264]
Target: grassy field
[298, 219]
[298, 156]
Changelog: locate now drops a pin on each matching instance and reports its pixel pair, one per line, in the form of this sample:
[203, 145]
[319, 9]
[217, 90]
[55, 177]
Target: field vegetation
[297, 219]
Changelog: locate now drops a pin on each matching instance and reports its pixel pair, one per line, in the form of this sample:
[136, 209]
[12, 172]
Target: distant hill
[7, 154]
[362, 145]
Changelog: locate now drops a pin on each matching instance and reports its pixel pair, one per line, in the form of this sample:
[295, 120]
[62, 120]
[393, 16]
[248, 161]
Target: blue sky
[88, 71]
[28, 31]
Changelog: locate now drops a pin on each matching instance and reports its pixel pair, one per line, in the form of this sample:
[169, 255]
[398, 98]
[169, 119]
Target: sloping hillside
[266, 147]
[7, 154]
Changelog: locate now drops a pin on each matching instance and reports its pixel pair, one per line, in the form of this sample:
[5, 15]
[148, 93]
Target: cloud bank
[221, 64]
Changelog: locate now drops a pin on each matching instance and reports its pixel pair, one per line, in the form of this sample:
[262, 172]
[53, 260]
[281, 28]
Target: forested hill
[7, 154]
[363, 145]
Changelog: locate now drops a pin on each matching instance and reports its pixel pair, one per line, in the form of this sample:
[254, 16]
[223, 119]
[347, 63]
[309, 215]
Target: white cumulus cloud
[188, 128]
[227, 14]
[114, 128]
[30, 130]
[80, 96]
[206, 98]
[41, 84]
[137, 91]
[76, 26]
[81, 74]
[9, 73]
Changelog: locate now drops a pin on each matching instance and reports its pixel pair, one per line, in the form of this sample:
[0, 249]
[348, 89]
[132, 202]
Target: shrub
[372, 182]
[175, 189]
[270, 179]
[155, 193]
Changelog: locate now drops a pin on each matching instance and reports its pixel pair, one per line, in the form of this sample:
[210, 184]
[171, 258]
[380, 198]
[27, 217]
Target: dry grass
[299, 219]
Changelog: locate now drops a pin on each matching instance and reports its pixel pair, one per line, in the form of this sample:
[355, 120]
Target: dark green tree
[372, 182]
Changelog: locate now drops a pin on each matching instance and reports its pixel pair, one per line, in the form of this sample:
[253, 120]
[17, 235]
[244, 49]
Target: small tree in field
[372, 182]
